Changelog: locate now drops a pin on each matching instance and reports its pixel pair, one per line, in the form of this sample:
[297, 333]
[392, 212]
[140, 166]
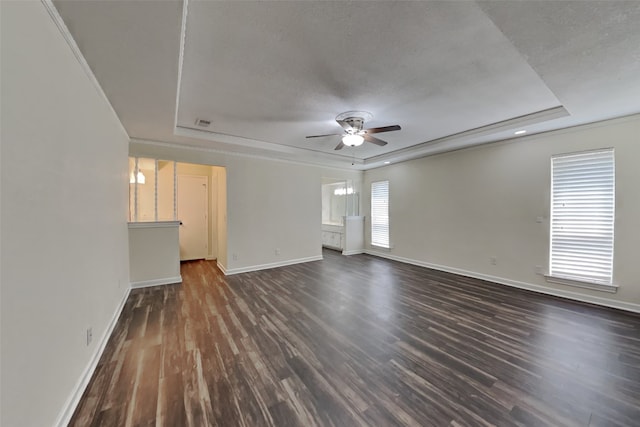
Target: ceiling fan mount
[355, 118]
[354, 133]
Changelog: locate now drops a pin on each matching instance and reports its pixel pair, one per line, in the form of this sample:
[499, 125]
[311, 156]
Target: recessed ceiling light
[386, 163]
[520, 132]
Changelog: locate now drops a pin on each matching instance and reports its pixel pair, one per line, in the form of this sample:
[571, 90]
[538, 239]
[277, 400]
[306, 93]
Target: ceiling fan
[354, 135]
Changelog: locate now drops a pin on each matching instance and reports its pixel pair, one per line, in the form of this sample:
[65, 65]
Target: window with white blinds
[380, 213]
[582, 216]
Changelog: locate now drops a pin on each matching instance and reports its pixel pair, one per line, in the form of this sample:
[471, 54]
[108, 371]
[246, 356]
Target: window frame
[386, 244]
[588, 183]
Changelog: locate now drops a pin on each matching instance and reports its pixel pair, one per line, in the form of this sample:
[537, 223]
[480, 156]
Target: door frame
[207, 202]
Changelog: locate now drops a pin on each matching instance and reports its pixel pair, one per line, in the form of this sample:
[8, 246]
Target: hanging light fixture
[352, 140]
[342, 191]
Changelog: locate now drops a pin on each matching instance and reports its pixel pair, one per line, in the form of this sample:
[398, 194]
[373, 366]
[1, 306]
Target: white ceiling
[267, 74]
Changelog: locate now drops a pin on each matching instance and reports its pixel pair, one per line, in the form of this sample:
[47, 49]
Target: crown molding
[321, 162]
[64, 31]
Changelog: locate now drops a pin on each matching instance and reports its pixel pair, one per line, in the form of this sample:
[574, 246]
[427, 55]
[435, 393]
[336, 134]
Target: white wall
[63, 223]
[270, 205]
[457, 210]
[154, 254]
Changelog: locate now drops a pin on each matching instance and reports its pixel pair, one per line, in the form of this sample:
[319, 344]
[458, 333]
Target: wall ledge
[154, 224]
[605, 302]
[270, 265]
[74, 399]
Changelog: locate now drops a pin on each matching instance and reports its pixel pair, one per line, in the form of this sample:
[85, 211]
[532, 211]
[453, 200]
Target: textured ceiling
[266, 74]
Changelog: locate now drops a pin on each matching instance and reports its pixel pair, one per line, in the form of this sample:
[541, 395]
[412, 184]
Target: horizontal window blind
[380, 213]
[582, 216]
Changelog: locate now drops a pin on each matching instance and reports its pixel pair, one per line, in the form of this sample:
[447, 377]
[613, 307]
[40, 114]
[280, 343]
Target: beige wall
[64, 260]
[457, 210]
[270, 205]
[165, 191]
[212, 173]
[221, 225]
[146, 191]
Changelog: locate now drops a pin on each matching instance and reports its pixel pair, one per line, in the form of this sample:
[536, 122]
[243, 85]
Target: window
[582, 216]
[380, 214]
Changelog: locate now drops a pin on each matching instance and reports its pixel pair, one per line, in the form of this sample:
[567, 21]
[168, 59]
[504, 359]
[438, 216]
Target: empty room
[320, 213]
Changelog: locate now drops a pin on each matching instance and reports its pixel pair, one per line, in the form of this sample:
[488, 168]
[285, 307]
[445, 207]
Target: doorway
[193, 212]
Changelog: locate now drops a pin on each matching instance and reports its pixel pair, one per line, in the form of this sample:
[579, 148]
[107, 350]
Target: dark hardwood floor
[361, 340]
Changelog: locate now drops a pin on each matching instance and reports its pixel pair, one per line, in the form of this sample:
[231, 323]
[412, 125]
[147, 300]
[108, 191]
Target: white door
[193, 206]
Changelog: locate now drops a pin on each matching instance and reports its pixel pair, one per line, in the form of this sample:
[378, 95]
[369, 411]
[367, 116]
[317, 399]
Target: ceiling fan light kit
[352, 140]
[353, 123]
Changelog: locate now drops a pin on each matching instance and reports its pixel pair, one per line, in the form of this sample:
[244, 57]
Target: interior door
[193, 207]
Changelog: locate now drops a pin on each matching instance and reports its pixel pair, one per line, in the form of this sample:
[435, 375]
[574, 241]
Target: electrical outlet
[538, 270]
[89, 335]
[493, 260]
[277, 251]
[235, 257]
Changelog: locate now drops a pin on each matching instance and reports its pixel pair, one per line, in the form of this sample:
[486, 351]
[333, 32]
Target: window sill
[383, 248]
[612, 289]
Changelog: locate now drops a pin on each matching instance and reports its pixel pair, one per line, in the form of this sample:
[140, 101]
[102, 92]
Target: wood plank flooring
[361, 341]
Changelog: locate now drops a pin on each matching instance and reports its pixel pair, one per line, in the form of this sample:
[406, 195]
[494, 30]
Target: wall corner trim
[605, 302]
[222, 268]
[270, 265]
[156, 282]
[74, 399]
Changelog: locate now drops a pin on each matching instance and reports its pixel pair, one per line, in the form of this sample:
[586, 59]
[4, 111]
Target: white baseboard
[353, 252]
[222, 268]
[156, 282]
[72, 402]
[627, 306]
[270, 265]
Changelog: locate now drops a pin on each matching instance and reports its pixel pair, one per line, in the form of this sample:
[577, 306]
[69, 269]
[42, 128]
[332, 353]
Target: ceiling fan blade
[376, 141]
[339, 146]
[320, 136]
[346, 126]
[383, 129]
